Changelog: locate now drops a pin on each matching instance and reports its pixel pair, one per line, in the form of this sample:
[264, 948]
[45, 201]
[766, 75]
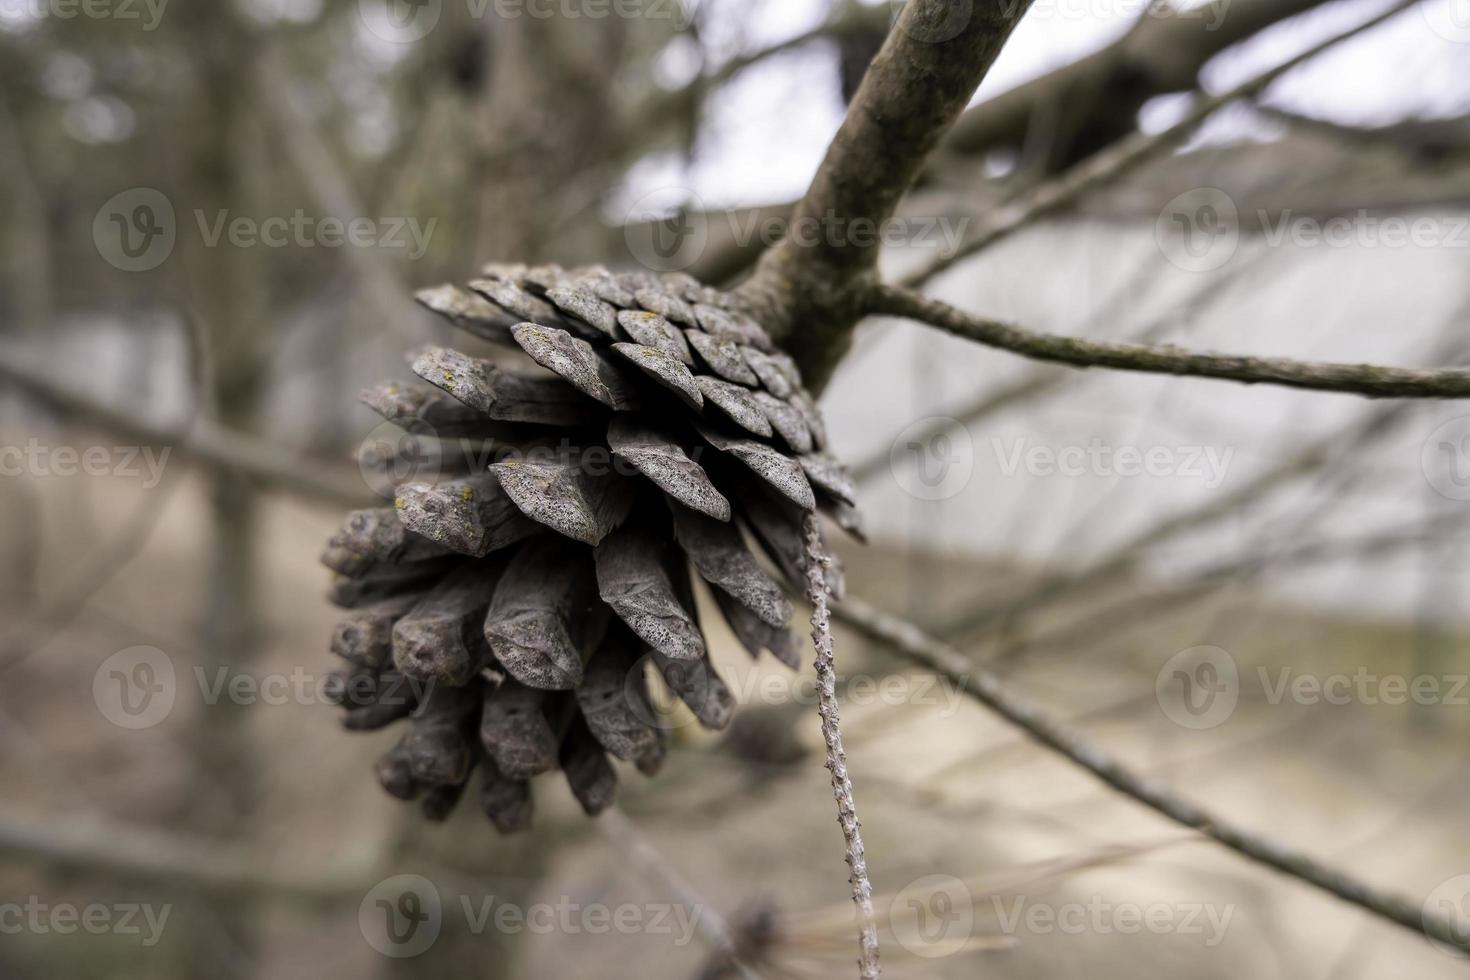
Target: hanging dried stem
[862, 889]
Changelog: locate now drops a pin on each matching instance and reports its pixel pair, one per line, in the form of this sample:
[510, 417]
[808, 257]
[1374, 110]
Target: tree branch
[1127, 154]
[808, 289]
[989, 690]
[1367, 380]
[203, 442]
[1162, 53]
[88, 844]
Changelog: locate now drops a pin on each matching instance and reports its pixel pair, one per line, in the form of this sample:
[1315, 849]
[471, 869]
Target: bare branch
[90, 844]
[1125, 155]
[1367, 380]
[809, 288]
[908, 640]
[621, 832]
[206, 443]
[1162, 53]
[915, 89]
[1123, 558]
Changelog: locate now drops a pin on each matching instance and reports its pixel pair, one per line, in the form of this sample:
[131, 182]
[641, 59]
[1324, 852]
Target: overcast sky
[769, 128]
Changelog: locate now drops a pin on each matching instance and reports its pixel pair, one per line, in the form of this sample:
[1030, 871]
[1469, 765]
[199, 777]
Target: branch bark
[1367, 380]
[808, 289]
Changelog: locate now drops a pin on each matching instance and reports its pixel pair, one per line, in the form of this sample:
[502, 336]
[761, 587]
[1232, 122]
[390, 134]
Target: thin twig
[862, 889]
[1120, 560]
[1125, 155]
[910, 641]
[1367, 380]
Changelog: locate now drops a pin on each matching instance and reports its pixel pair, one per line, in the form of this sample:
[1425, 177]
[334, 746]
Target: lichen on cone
[538, 562]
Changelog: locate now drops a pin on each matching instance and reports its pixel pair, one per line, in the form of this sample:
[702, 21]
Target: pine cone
[538, 563]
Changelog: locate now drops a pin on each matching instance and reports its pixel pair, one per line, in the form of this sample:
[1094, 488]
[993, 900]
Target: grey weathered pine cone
[510, 609]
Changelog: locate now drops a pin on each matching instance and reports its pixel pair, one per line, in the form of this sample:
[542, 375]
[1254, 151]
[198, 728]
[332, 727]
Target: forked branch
[808, 289]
